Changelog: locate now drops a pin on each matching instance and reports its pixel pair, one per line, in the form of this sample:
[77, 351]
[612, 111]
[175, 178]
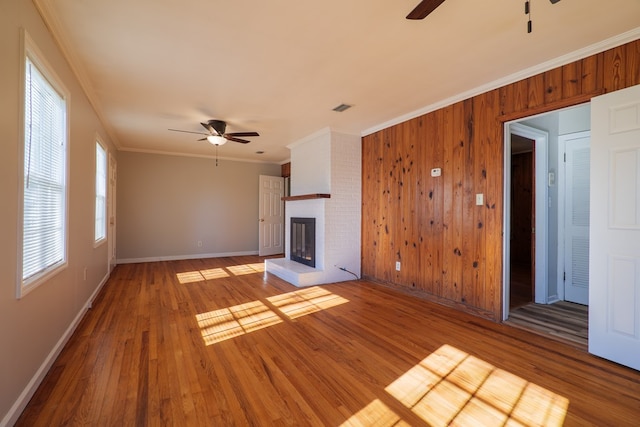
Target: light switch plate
[479, 199]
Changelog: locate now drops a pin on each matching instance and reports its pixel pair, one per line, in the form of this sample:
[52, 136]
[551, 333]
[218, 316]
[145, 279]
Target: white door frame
[541, 139]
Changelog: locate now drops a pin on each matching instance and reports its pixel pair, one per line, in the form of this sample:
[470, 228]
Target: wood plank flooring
[563, 320]
[216, 342]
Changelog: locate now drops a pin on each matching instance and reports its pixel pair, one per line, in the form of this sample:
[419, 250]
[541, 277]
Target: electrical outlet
[199, 243]
[397, 265]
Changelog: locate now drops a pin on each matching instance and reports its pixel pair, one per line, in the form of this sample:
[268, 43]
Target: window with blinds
[101, 193]
[44, 190]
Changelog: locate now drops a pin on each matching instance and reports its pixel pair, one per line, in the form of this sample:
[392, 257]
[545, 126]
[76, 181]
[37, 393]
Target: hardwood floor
[521, 287]
[563, 320]
[215, 342]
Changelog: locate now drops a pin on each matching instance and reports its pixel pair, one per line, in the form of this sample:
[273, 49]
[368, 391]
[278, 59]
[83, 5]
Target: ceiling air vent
[340, 108]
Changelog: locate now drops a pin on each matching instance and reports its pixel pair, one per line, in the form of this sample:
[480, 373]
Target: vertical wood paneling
[475, 263]
[536, 91]
[507, 100]
[592, 73]
[468, 207]
[614, 69]
[436, 224]
[391, 217]
[424, 279]
[411, 184]
[521, 94]
[448, 188]
[633, 63]
[457, 220]
[450, 248]
[553, 85]
[572, 79]
[494, 205]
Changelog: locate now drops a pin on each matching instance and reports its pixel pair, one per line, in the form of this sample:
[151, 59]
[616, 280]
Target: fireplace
[303, 241]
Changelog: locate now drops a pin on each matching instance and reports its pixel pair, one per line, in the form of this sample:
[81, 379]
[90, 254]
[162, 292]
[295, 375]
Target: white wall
[34, 328]
[311, 164]
[167, 204]
[576, 119]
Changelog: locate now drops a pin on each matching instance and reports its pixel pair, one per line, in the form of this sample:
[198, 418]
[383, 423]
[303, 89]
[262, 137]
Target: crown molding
[200, 156]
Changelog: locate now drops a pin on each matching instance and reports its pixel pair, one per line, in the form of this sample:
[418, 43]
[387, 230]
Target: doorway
[271, 215]
[538, 186]
[526, 242]
[522, 246]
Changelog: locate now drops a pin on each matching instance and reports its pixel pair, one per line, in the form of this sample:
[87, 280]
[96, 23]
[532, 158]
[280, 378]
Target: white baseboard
[183, 257]
[16, 410]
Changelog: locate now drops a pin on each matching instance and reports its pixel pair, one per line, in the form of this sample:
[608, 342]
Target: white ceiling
[278, 67]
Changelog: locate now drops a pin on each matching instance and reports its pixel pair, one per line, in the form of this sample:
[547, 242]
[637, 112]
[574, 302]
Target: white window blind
[44, 191]
[101, 193]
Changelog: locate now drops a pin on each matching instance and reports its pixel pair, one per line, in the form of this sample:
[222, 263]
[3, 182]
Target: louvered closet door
[576, 248]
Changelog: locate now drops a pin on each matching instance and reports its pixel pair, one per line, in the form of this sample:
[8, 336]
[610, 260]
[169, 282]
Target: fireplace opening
[303, 241]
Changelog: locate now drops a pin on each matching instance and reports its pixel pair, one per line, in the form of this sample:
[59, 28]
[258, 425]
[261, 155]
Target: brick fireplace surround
[325, 185]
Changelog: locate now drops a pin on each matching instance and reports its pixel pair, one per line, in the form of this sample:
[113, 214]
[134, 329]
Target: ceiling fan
[424, 8]
[216, 133]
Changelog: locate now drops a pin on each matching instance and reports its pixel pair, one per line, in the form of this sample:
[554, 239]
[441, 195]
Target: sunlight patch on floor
[306, 301]
[227, 323]
[214, 273]
[220, 325]
[375, 414]
[190, 277]
[240, 270]
[451, 386]
[219, 273]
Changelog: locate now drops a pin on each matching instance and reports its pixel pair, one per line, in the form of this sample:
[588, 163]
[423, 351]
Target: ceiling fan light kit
[217, 136]
[216, 140]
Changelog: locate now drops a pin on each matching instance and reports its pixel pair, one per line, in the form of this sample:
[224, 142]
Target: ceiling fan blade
[203, 139]
[210, 128]
[242, 141]
[187, 131]
[242, 134]
[424, 8]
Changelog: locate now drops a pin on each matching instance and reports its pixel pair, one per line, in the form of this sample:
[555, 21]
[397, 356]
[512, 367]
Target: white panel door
[576, 219]
[614, 294]
[271, 212]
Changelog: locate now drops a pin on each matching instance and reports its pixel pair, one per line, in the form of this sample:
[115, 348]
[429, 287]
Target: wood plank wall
[450, 249]
[522, 203]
